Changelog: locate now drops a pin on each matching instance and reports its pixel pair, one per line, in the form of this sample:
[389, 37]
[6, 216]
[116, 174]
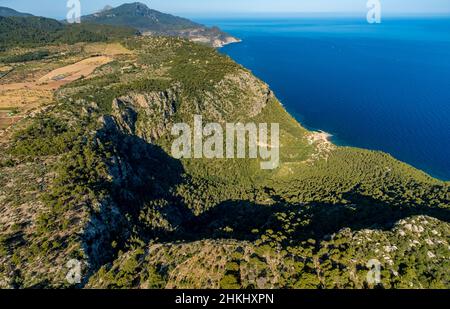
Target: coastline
[281, 74]
[230, 40]
[319, 137]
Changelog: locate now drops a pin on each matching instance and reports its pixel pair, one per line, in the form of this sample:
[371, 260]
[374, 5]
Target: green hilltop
[139, 16]
[151, 22]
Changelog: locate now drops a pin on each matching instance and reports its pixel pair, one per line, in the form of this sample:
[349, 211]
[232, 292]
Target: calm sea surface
[383, 87]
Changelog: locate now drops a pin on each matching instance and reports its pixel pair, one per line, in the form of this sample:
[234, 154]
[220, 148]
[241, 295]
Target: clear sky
[212, 8]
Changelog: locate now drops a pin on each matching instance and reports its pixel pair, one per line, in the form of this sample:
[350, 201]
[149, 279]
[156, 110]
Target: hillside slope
[139, 16]
[32, 31]
[90, 178]
[7, 12]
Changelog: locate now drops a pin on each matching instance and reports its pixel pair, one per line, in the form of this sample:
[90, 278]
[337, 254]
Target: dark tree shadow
[243, 220]
[145, 178]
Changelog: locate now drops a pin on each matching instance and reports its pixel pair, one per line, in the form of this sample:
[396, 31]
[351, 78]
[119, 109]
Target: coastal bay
[381, 87]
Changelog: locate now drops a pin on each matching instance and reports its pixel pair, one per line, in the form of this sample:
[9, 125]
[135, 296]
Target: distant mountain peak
[106, 8]
[131, 9]
[139, 16]
[137, 5]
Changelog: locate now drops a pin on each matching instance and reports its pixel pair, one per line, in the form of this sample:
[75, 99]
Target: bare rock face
[256, 93]
[146, 115]
[237, 97]
[108, 123]
[125, 115]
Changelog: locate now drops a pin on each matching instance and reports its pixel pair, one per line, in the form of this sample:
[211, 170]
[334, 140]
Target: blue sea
[381, 86]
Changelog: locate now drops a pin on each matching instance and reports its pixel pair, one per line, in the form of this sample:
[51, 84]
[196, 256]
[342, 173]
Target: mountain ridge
[8, 12]
[152, 22]
[139, 16]
[33, 30]
[145, 20]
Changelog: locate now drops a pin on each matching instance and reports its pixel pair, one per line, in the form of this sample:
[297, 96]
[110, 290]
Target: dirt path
[61, 76]
[73, 72]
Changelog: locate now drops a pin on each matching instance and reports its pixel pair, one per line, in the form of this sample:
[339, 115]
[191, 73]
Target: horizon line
[299, 14]
[251, 15]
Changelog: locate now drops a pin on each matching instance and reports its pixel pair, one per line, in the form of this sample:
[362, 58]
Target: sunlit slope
[91, 178]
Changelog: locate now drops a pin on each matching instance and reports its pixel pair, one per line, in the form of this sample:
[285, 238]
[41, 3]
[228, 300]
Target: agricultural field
[30, 77]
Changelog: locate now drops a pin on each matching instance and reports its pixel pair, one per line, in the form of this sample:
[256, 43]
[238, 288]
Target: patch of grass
[30, 56]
